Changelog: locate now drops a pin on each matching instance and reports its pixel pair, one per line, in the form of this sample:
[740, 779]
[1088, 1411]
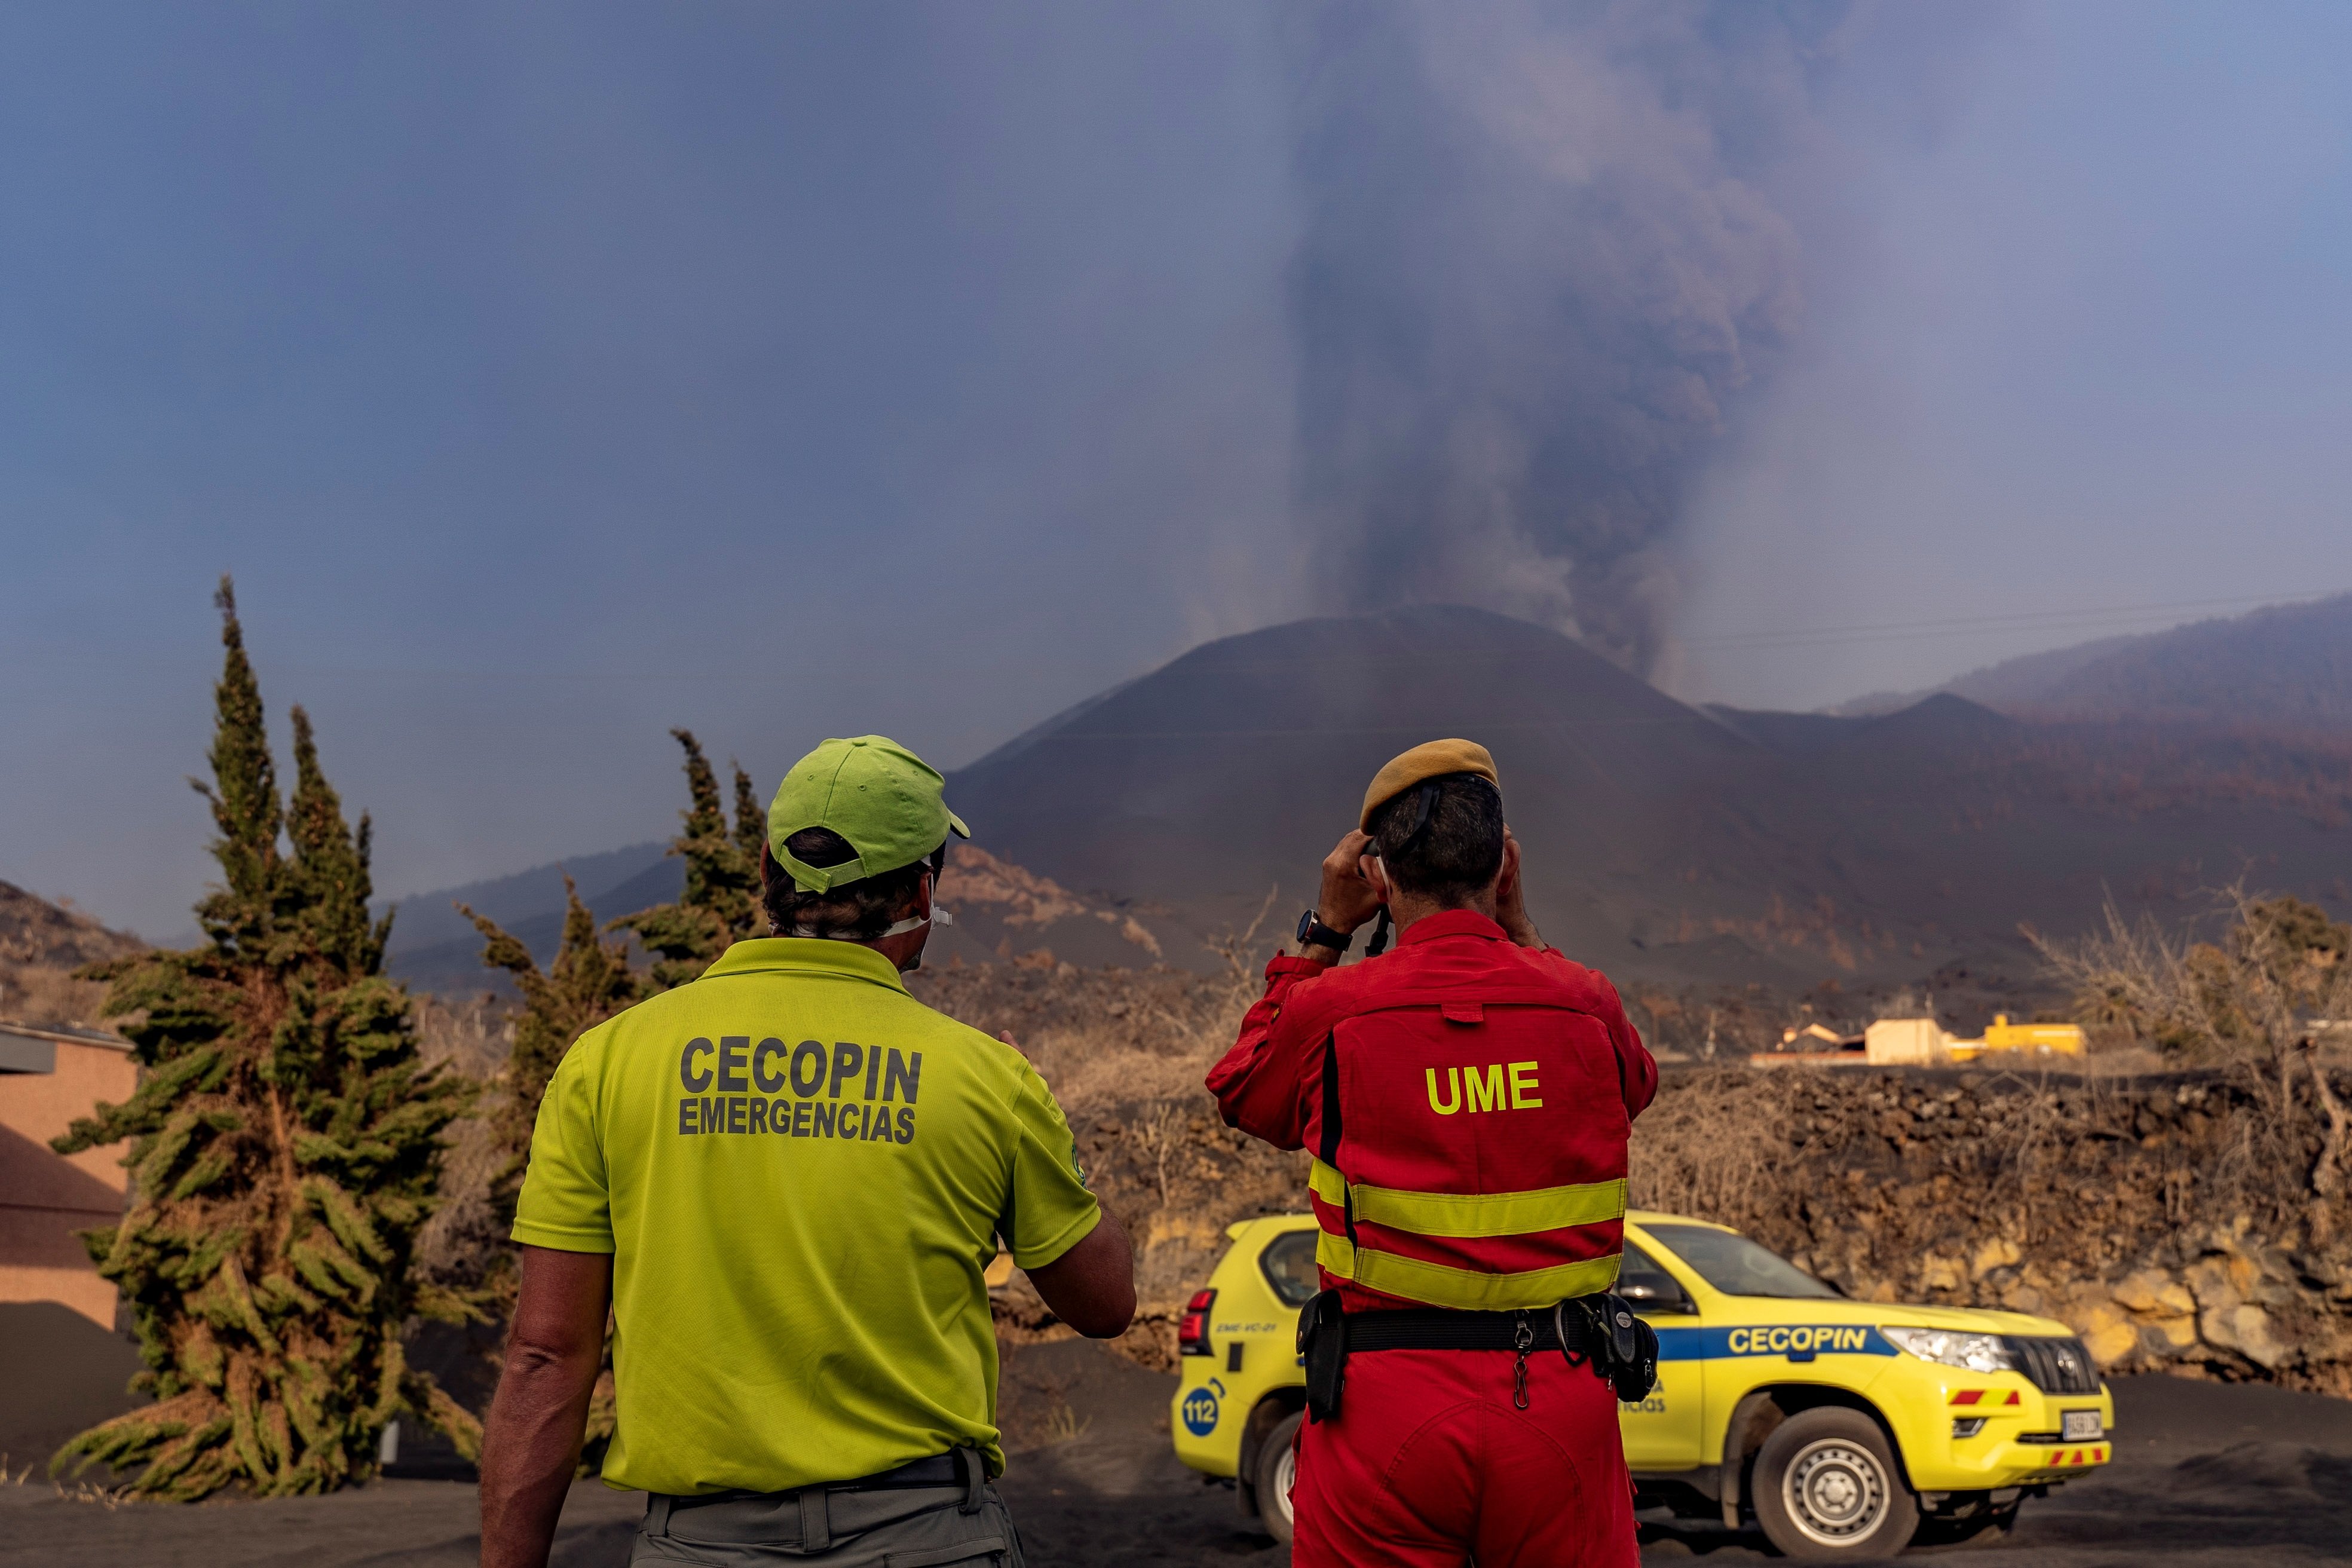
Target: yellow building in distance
[1922, 1042]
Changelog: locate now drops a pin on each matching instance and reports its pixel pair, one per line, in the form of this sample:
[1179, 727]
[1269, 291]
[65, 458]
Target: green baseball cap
[878, 795]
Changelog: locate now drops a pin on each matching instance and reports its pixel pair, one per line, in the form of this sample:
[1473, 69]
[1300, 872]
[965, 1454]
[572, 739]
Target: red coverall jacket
[1468, 1101]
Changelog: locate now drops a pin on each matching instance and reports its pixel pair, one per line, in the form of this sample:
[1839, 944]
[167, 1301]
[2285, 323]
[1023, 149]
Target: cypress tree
[750, 830]
[285, 1148]
[587, 982]
[720, 902]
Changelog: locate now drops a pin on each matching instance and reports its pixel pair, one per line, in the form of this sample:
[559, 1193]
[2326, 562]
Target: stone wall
[2168, 1220]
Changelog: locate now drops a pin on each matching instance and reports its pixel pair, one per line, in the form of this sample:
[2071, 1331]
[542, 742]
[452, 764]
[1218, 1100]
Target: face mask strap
[916, 923]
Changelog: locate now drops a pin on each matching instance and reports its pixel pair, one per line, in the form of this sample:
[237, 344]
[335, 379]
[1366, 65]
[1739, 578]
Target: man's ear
[1376, 872]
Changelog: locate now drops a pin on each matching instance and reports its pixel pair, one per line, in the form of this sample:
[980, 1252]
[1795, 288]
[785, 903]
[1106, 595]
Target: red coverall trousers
[1430, 1465]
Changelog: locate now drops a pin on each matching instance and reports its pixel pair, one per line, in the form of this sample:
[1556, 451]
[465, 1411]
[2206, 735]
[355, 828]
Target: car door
[1666, 1430]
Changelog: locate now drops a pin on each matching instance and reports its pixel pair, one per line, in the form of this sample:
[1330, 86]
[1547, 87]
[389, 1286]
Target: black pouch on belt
[1624, 1349]
[1323, 1347]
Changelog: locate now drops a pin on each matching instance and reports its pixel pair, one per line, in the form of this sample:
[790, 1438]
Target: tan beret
[1431, 758]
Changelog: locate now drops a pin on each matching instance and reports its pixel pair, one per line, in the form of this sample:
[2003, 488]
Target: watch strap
[1313, 933]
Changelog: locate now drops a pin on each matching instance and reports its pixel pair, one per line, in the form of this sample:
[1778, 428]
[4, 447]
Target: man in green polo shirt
[786, 1179]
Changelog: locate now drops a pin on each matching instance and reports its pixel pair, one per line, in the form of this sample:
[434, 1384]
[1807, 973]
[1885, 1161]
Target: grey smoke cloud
[1539, 259]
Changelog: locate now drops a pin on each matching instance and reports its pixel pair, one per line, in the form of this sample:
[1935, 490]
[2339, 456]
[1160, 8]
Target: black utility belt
[1600, 1332]
[1441, 1329]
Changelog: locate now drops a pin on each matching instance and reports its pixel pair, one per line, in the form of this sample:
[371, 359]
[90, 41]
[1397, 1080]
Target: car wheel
[1828, 1489]
[1278, 1468]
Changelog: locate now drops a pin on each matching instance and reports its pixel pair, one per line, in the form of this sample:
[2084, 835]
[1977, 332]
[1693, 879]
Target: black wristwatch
[1313, 933]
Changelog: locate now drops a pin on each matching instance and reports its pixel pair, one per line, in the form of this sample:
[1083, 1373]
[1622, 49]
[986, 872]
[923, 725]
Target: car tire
[1276, 1468]
[1828, 1488]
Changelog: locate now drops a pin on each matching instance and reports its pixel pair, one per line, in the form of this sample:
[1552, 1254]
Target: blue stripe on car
[1802, 1340]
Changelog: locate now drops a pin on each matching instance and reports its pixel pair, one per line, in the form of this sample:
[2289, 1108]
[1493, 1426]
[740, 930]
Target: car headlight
[1948, 1347]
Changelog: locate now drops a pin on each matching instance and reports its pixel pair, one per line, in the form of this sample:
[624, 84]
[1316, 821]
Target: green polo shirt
[800, 1171]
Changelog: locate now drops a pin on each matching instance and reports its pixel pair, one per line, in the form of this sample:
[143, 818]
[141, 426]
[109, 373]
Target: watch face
[1306, 924]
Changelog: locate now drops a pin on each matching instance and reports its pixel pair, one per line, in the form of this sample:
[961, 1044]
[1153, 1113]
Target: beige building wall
[45, 1196]
[1906, 1042]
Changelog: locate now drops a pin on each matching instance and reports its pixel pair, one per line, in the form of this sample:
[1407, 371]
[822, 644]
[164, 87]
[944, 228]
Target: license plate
[2080, 1427]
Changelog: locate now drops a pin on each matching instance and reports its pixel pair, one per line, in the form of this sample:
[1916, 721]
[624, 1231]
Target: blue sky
[549, 376]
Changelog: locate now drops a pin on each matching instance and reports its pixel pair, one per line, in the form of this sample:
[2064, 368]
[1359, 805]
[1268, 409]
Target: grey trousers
[913, 1527]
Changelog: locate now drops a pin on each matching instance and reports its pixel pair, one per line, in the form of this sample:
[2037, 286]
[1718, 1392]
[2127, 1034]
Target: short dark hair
[1459, 849]
[855, 912]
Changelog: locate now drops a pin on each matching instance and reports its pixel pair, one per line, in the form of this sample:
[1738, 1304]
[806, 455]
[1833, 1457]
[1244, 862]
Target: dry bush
[42, 993]
[1106, 1038]
[1714, 1144]
[473, 1036]
[2257, 1002]
[460, 1245]
[1126, 1052]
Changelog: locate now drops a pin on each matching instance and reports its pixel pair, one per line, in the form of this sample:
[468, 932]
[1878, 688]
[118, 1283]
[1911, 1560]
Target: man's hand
[1511, 899]
[1348, 899]
[532, 1440]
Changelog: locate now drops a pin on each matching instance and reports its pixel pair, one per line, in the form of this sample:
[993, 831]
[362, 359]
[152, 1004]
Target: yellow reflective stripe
[1463, 1288]
[1473, 1215]
[1327, 1184]
[1492, 1214]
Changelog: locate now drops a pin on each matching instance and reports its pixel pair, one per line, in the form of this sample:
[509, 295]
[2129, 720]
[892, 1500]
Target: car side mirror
[1672, 1300]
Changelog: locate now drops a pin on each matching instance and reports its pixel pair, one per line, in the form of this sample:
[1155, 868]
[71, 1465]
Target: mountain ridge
[2284, 665]
[1665, 842]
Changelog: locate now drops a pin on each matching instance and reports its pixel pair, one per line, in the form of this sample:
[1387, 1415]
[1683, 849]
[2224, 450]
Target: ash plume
[1539, 255]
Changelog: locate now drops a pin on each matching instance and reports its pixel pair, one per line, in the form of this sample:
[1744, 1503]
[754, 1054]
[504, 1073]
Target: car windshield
[1288, 1261]
[1737, 1266]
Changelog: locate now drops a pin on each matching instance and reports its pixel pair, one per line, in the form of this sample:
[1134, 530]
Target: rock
[2277, 1282]
[1941, 1273]
[2153, 1291]
[2109, 1335]
[2024, 1297]
[2245, 1329]
[2209, 1280]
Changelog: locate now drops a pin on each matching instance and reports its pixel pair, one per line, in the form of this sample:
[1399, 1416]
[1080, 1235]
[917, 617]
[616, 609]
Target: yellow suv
[1834, 1424]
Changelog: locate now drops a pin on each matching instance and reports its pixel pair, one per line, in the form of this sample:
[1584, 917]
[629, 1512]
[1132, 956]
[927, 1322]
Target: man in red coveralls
[1468, 1099]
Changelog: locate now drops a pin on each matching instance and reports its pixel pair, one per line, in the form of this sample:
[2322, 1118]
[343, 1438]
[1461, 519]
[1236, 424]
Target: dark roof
[68, 1033]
